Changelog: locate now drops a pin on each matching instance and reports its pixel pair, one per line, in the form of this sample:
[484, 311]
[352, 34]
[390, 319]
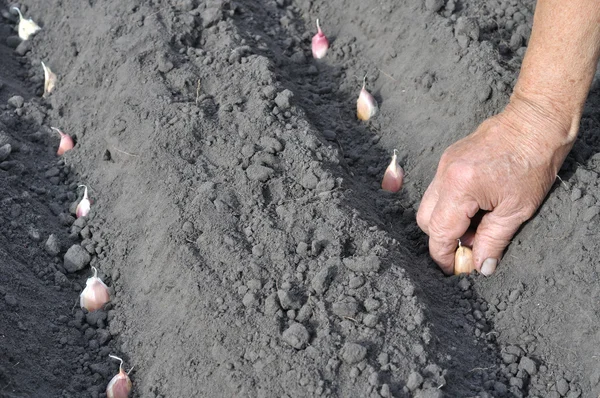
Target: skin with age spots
[493, 180]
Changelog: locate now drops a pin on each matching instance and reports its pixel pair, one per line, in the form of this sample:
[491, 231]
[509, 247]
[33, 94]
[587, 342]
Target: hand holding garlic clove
[463, 260]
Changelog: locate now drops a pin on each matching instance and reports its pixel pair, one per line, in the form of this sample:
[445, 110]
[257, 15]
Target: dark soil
[237, 214]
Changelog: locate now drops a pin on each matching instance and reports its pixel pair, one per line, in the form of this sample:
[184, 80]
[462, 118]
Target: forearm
[561, 61]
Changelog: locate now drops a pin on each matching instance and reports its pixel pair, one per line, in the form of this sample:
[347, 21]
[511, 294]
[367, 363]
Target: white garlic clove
[83, 208]
[320, 44]
[95, 294]
[66, 142]
[463, 260]
[27, 27]
[366, 105]
[120, 385]
[49, 80]
[394, 176]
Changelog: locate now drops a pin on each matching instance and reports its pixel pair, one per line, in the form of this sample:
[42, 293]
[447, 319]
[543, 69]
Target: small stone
[371, 304]
[370, 320]
[271, 304]
[575, 194]
[16, 101]
[23, 48]
[484, 94]
[296, 336]
[283, 99]
[76, 258]
[434, 5]
[13, 41]
[5, 151]
[260, 173]
[363, 264]
[322, 279]
[309, 180]
[211, 16]
[356, 282]
[271, 145]
[508, 358]
[385, 391]
[514, 295]
[347, 308]
[590, 213]
[528, 366]
[34, 234]
[298, 57]
[353, 353]
[249, 300]
[464, 284]
[500, 388]
[288, 301]
[516, 40]
[562, 386]
[188, 227]
[302, 248]
[10, 300]
[103, 336]
[429, 392]
[466, 26]
[414, 381]
[517, 382]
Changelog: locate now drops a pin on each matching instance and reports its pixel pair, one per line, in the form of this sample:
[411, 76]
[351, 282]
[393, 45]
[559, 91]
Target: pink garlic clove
[394, 176]
[366, 105]
[95, 294]
[66, 142]
[320, 44]
[120, 385]
[83, 208]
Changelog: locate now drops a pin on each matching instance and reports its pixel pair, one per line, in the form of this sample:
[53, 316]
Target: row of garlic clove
[94, 297]
[95, 294]
[366, 108]
[27, 28]
[366, 105]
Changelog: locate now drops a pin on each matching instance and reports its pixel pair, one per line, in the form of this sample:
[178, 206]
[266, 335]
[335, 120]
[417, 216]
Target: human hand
[505, 168]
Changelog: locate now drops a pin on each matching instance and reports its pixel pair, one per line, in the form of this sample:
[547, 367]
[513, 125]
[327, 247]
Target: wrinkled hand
[505, 168]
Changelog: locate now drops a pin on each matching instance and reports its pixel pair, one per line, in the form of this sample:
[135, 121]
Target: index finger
[449, 221]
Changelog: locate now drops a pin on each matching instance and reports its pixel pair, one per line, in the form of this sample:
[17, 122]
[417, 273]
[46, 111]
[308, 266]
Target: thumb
[493, 235]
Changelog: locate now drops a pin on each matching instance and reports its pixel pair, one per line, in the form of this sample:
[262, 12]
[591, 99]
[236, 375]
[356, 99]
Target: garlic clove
[83, 207]
[120, 385]
[66, 142]
[366, 105]
[95, 294]
[394, 176]
[320, 44]
[463, 260]
[27, 27]
[49, 80]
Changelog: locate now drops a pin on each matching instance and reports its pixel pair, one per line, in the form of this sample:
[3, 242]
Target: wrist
[559, 118]
[541, 130]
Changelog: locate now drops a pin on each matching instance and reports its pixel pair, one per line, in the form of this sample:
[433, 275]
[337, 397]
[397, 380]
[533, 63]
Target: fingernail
[489, 266]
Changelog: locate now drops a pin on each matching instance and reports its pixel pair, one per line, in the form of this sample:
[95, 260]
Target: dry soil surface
[237, 214]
